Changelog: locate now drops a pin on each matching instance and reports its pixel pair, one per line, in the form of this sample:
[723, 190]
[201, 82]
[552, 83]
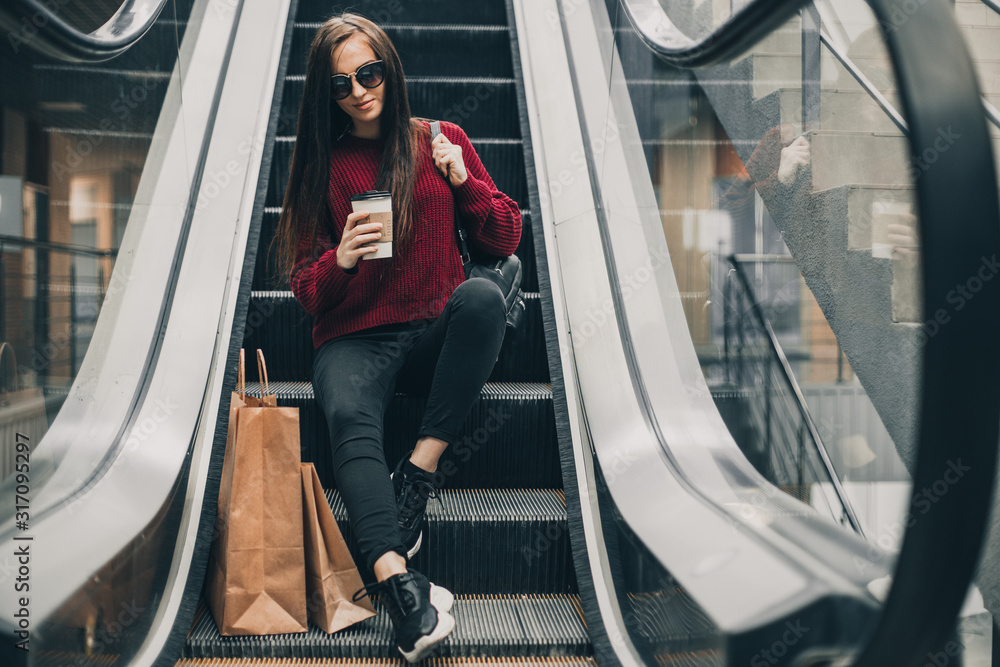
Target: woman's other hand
[794, 158]
[902, 235]
[352, 242]
[448, 159]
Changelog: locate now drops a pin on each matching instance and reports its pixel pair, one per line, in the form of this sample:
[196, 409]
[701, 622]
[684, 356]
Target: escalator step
[277, 324]
[403, 11]
[497, 626]
[548, 661]
[692, 659]
[44, 658]
[430, 50]
[508, 439]
[265, 271]
[483, 541]
[669, 620]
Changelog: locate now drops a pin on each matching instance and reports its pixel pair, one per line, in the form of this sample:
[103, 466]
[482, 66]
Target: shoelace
[415, 494]
[380, 587]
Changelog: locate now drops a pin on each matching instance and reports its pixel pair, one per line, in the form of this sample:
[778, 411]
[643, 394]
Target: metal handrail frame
[799, 398]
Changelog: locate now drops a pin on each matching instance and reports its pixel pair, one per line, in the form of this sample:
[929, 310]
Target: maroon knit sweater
[419, 279]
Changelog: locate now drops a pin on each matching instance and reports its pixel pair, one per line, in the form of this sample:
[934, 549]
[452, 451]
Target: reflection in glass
[779, 162]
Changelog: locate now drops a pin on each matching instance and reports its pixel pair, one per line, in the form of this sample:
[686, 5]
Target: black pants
[448, 359]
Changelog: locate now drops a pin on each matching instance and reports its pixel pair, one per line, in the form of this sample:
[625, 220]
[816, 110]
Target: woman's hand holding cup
[352, 243]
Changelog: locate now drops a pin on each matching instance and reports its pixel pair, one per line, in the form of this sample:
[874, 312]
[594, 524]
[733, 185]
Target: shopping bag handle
[241, 376]
[13, 364]
[265, 389]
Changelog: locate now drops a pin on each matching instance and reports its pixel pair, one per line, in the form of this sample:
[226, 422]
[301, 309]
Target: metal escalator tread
[670, 618]
[493, 625]
[547, 661]
[692, 659]
[526, 391]
[483, 505]
[481, 541]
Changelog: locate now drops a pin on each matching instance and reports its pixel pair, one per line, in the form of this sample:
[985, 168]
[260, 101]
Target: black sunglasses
[369, 76]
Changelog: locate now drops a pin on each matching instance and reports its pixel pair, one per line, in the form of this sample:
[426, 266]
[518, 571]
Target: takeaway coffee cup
[379, 206]
[883, 215]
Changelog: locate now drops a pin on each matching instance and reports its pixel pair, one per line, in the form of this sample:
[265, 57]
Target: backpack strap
[459, 228]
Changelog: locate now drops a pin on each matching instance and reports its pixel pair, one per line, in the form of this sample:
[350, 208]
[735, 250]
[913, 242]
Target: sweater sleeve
[492, 219]
[318, 282]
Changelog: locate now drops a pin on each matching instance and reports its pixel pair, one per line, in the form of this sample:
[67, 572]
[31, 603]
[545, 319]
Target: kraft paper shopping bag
[256, 578]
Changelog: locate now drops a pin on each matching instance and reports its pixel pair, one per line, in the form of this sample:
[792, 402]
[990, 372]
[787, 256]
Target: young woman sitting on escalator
[407, 321]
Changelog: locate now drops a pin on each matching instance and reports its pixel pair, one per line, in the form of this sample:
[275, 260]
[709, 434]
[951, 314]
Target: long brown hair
[321, 124]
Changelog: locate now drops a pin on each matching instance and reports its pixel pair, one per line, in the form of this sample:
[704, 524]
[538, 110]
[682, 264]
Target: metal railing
[791, 453]
[991, 112]
[864, 82]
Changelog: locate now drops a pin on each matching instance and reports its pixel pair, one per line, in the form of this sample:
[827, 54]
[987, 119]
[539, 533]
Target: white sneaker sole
[441, 598]
[426, 644]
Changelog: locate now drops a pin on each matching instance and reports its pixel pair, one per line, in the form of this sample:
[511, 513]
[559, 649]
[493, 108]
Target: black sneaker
[420, 626]
[412, 492]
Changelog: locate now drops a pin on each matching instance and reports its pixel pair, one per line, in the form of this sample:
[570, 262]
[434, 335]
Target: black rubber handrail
[959, 222]
[741, 31]
[799, 399]
[960, 234]
[33, 24]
